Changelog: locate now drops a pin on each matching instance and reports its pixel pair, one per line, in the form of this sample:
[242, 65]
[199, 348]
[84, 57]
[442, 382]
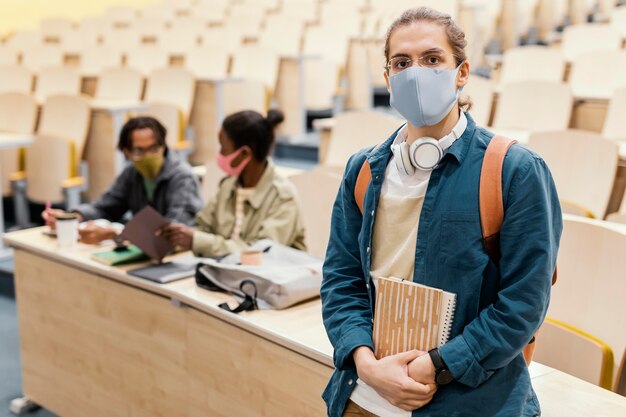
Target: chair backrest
[327, 42]
[55, 28]
[42, 56]
[519, 106]
[169, 116]
[22, 40]
[245, 95]
[147, 58]
[120, 84]
[618, 20]
[256, 63]
[179, 40]
[18, 113]
[282, 34]
[575, 352]
[15, 79]
[615, 122]
[321, 83]
[317, 190]
[8, 55]
[480, 91]
[587, 37]
[591, 288]
[356, 130]
[124, 39]
[120, 15]
[532, 63]
[207, 63]
[66, 117]
[96, 59]
[57, 80]
[49, 162]
[173, 86]
[583, 165]
[598, 73]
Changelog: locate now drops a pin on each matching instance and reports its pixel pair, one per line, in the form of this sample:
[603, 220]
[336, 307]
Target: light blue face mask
[424, 96]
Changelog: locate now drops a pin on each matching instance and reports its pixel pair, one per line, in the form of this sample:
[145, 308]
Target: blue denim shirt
[499, 307]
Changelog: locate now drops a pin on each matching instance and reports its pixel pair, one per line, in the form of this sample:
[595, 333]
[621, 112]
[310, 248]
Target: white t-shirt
[396, 190]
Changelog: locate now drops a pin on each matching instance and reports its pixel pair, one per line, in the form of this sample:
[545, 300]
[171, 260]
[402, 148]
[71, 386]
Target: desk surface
[300, 328]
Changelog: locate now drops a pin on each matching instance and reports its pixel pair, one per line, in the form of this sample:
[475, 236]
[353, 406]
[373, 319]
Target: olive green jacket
[271, 213]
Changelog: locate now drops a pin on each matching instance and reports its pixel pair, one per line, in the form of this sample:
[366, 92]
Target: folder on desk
[410, 316]
[140, 230]
[120, 256]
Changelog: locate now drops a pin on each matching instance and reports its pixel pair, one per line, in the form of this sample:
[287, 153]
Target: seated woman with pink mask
[253, 201]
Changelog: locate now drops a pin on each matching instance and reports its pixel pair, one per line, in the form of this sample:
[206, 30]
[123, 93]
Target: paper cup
[251, 257]
[67, 230]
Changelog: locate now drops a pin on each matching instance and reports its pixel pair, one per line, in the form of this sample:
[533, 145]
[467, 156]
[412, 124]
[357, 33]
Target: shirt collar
[459, 148]
[262, 187]
[457, 131]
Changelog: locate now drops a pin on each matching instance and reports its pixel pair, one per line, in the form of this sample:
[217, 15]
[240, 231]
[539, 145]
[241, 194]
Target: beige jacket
[271, 213]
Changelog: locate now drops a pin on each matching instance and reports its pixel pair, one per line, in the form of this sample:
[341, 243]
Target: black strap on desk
[249, 303]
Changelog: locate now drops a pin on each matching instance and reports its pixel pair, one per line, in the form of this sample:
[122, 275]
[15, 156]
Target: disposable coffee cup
[67, 230]
[251, 257]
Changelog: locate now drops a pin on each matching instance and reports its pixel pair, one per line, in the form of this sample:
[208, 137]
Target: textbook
[119, 256]
[410, 316]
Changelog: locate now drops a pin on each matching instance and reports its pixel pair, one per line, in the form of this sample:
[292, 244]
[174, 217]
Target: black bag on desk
[285, 277]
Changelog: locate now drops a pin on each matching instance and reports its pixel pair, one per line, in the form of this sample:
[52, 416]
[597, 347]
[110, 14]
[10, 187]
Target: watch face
[443, 377]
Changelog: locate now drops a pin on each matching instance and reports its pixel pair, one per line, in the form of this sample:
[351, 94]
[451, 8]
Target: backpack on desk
[490, 199]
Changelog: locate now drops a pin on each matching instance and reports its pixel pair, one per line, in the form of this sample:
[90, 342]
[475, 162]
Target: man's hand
[389, 377]
[92, 234]
[178, 234]
[422, 369]
[50, 216]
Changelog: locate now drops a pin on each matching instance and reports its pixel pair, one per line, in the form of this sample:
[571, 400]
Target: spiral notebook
[410, 316]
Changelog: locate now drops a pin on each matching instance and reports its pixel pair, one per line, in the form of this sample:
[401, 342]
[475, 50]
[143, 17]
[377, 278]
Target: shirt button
[367, 286]
[368, 249]
[350, 382]
[372, 212]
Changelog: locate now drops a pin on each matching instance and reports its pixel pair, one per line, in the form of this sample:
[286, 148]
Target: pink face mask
[224, 162]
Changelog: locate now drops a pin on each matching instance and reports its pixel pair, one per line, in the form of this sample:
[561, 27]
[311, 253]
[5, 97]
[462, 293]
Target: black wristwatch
[443, 375]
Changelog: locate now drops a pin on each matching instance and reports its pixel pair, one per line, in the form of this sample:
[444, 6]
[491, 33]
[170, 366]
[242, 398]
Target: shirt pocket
[461, 241]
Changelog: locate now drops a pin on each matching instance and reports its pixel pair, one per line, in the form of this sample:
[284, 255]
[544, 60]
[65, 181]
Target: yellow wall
[26, 14]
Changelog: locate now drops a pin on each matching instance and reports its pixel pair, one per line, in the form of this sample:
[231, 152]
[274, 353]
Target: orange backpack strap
[363, 181]
[490, 194]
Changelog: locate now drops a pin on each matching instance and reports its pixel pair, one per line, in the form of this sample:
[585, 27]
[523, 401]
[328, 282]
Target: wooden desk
[97, 342]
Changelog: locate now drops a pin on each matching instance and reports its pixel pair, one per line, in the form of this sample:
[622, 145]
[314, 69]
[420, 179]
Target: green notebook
[113, 257]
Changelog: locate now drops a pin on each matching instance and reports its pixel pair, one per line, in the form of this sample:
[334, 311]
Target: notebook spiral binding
[449, 312]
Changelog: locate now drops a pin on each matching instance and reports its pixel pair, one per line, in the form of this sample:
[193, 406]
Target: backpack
[490, 201]
[286, 276]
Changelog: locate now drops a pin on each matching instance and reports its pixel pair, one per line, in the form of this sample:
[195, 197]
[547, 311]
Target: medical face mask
[224, 162]
[424, 96]
[149, 166]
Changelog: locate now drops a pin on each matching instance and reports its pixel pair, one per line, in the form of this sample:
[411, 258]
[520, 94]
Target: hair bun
[274, 118]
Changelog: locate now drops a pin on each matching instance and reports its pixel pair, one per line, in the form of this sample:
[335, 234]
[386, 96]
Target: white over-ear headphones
[425, 153]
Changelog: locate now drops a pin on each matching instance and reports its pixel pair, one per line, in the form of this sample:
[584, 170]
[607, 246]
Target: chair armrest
[576, 209]
[17, 176]
[74, 182]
